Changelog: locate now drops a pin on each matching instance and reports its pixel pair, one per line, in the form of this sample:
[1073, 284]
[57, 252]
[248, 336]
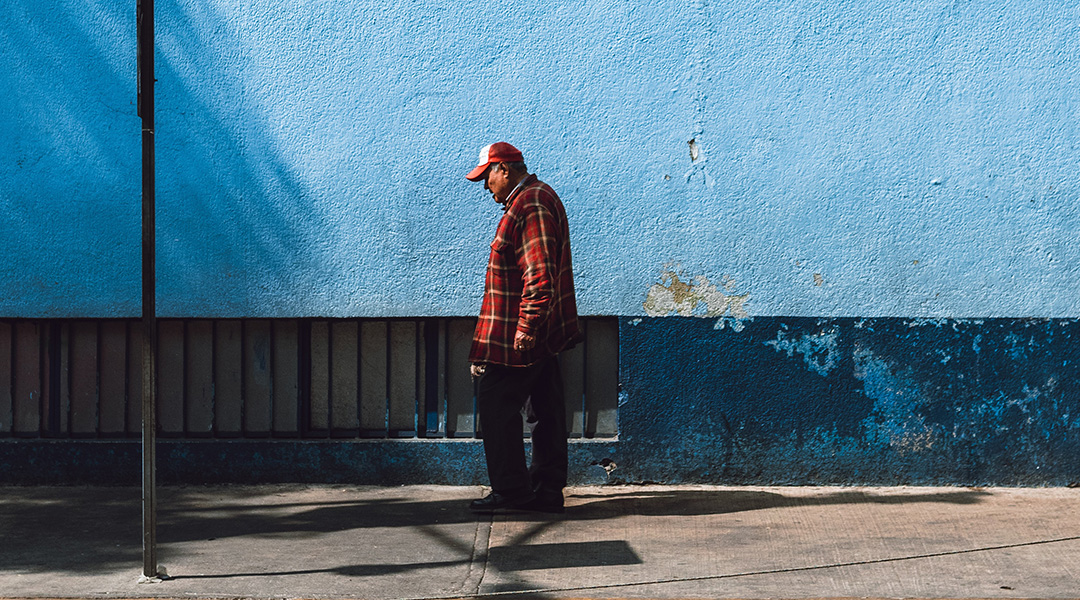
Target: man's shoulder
[539, 187]
[535, 195]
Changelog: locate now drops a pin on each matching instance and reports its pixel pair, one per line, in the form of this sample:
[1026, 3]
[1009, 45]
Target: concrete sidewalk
[628, 541]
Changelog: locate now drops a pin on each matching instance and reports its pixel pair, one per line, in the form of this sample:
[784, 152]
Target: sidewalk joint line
[479, 556]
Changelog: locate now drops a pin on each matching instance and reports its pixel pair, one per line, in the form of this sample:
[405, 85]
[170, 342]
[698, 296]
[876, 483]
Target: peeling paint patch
[699, 298]
[818, 351]
[736, 325]
[695, 150]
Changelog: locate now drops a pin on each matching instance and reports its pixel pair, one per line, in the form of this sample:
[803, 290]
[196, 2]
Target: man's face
[497, 181]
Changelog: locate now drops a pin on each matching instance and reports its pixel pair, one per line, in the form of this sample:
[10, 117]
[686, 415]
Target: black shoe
[495, 501]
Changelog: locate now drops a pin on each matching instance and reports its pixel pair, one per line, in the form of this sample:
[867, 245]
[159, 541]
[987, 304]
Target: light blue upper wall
[69, 159]
[852, 159]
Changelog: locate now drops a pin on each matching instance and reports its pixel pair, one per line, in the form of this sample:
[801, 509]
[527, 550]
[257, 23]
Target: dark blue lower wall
[761, 401]
[852, 401]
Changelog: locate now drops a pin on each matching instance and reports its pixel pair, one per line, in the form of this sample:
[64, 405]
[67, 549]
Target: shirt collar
[526, 180]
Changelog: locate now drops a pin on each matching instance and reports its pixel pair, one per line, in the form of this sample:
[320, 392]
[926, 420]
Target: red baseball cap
[494, 153]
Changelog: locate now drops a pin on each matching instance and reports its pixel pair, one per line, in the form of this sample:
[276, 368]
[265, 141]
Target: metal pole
[145, 25]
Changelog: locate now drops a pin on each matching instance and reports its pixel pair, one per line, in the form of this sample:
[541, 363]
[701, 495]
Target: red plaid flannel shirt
[530, 281]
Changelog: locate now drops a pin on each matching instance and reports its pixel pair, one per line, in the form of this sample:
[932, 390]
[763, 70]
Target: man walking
[528, 316]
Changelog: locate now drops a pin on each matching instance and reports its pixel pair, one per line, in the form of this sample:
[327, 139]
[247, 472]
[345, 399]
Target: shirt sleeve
[538, 266]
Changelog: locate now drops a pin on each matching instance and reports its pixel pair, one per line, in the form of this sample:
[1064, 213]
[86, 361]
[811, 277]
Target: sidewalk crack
[478, 560]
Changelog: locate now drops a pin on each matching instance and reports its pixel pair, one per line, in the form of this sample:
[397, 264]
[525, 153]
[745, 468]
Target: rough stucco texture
[805, 158]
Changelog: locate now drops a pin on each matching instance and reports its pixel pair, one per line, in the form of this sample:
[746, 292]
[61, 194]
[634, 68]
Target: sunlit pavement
[301, 541]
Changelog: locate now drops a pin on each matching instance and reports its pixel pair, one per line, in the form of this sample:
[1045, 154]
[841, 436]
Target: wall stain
[698, 298]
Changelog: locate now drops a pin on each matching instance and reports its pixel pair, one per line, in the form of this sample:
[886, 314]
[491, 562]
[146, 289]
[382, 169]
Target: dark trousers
[502, 394]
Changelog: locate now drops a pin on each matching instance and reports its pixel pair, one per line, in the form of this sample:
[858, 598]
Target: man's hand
[523, 341]
[477, 369]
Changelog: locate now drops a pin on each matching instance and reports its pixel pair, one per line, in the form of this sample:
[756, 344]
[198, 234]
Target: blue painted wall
[847, 158]
[69, 160]
[842, 237]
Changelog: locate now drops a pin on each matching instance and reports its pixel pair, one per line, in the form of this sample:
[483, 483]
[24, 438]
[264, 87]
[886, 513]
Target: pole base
[161, 576]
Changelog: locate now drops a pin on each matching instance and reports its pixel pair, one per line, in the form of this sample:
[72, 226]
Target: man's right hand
[477, 369]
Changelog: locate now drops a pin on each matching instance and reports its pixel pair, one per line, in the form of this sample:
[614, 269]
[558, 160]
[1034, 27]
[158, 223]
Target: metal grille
[288, 378]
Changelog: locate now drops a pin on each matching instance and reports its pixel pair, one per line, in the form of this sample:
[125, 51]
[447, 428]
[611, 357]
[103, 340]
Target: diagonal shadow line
[373, 570]
[778, 571]
[240, 507]
[506, 559]
[350, 570]
[532, 532]
[445, 539]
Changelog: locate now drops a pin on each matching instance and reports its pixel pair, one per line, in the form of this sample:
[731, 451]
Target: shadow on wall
[69, 160]
[235, 227]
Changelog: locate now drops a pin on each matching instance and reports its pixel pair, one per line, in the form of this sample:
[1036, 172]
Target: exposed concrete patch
[700, 298]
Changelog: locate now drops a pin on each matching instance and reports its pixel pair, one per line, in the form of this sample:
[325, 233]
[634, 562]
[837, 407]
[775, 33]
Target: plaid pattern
[530, 281]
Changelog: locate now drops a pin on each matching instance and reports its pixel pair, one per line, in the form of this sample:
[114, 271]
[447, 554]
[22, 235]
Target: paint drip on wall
[697, 298]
